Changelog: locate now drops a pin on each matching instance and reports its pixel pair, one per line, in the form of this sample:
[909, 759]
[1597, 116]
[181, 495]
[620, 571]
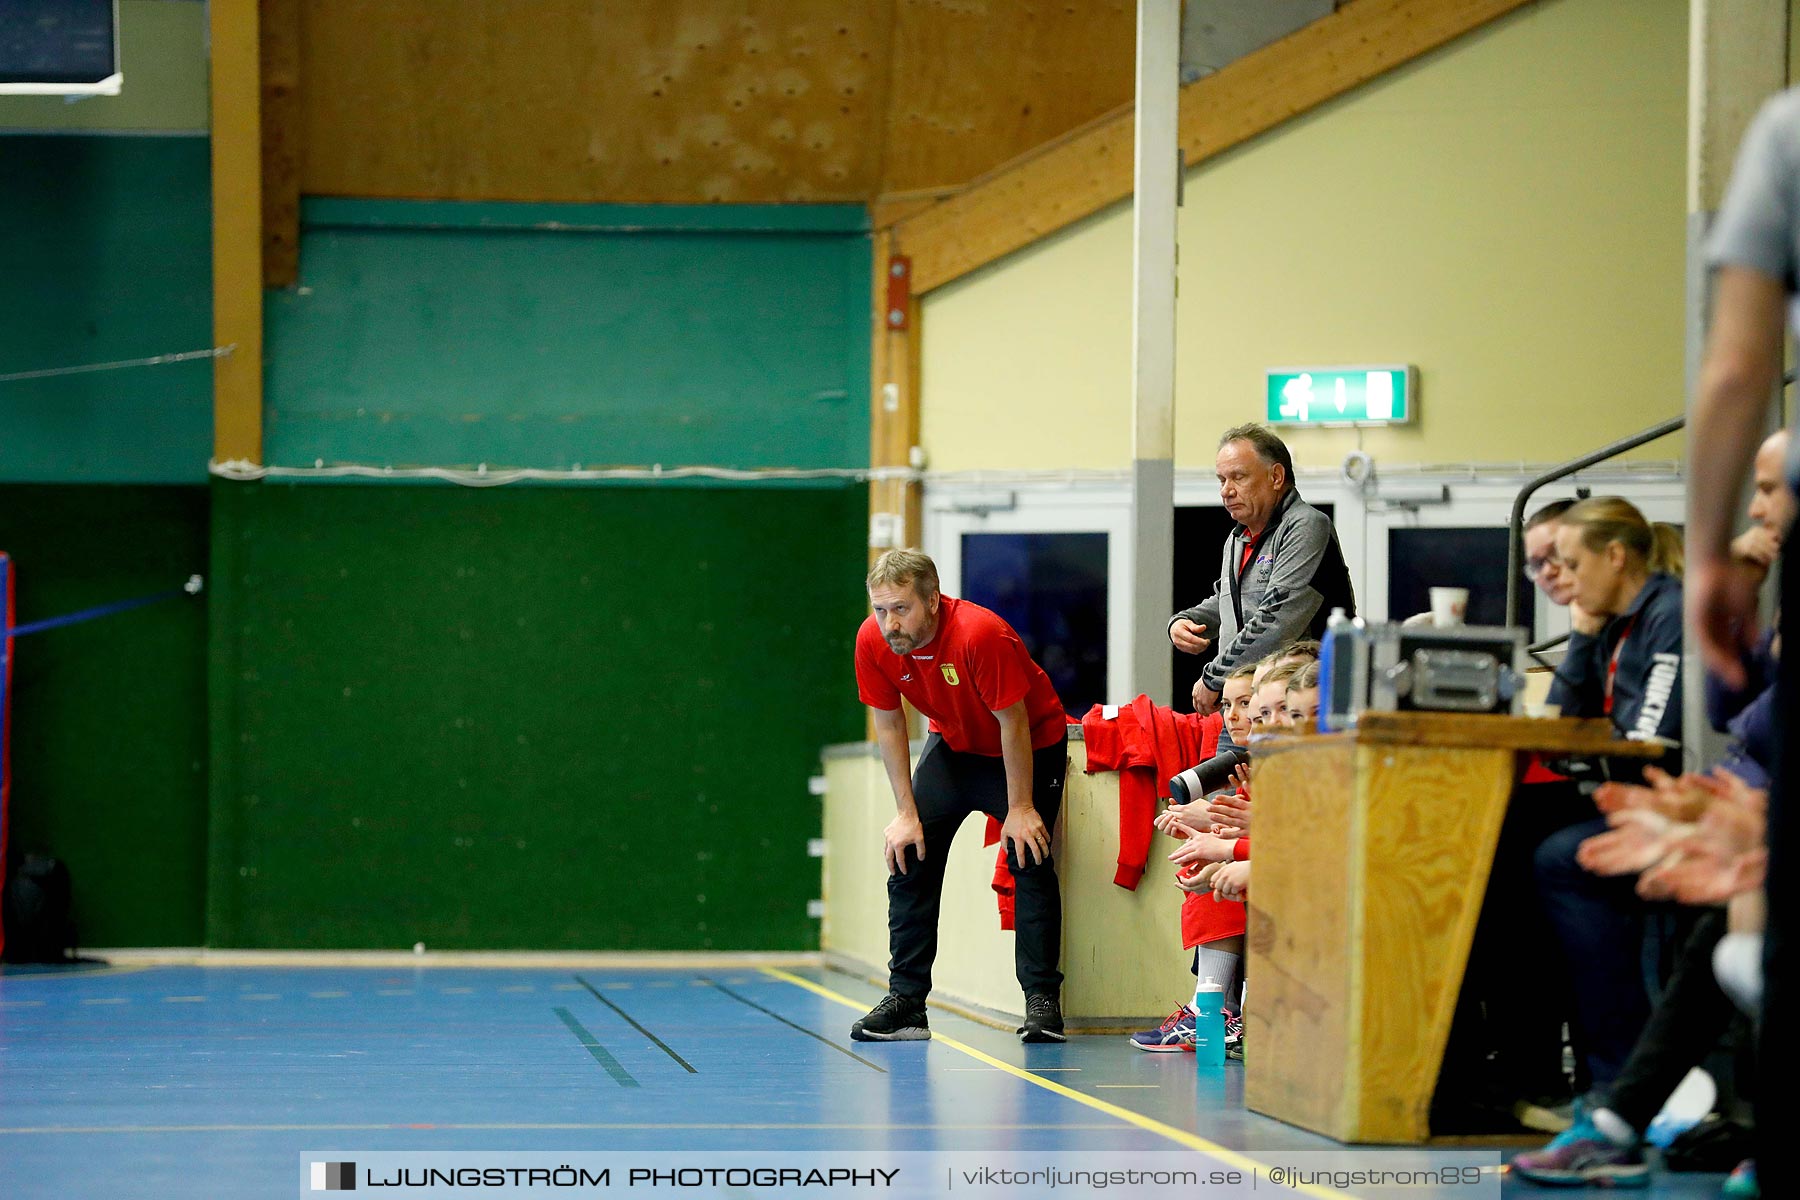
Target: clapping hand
[1197, 881]
[1724, 854]
[1638, 840]
[1203, 848]
[1179, 820]
[1232, 882]
[1681, 799]
[1230, 812]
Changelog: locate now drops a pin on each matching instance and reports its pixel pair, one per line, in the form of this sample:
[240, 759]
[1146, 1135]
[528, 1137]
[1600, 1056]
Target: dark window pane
[1421, 559]
[1051, 587]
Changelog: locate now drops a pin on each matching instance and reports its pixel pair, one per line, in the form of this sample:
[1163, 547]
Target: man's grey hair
[1271, 449]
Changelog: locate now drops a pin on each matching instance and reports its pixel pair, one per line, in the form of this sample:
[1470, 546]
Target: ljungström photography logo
[333, 1177]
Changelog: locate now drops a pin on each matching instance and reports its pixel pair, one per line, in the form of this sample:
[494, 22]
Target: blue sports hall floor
[211, 1080]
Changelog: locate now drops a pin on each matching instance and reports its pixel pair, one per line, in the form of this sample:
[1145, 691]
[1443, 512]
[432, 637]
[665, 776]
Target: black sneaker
[1043, 1019]
[896, 1019]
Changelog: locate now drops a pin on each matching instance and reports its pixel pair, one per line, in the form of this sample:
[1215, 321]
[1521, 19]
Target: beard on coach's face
[906, 619]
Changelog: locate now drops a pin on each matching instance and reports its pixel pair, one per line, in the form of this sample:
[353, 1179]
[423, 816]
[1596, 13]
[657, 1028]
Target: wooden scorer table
[1372, 855]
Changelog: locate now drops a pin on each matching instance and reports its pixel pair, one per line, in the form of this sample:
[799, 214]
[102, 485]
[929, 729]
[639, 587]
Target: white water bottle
[1209, 1023]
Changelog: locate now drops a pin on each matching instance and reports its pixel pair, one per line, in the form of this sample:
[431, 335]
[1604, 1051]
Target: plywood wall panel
[978, 82]
[694, 101]
[686, 101]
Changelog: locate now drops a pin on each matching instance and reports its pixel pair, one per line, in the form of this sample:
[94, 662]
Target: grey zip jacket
[1293, 581]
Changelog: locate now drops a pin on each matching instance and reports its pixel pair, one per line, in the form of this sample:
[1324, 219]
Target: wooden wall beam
[1091, 168]
[893, 398]
[282, 125]
[237, 229]
[893, 415]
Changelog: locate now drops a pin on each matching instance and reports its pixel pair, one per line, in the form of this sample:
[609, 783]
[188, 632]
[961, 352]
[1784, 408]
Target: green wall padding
[109, 716]
[106, 255]
[550, 347]
[563, 718]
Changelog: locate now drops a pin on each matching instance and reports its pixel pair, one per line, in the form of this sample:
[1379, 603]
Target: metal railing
[1515, 542]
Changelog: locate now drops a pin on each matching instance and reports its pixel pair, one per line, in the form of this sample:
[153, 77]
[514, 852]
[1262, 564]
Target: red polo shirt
[974, 666]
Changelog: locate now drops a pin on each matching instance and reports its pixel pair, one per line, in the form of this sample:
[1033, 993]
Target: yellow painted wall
[1793, 41]
[1121, 955]
[162, 53]
[1507, 213]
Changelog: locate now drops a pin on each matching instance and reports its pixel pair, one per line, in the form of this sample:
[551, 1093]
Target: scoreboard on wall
[60, 48]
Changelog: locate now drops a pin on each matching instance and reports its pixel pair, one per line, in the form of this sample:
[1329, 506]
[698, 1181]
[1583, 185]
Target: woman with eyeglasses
[1613, 564]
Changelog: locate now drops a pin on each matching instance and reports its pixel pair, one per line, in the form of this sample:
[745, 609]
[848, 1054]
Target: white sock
[1737, 963]
[1613, 1127]
[1222, 967]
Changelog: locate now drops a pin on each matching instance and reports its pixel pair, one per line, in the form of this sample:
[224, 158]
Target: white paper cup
[1449, 605]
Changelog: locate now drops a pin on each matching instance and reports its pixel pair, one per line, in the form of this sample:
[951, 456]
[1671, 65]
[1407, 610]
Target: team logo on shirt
[950, 675]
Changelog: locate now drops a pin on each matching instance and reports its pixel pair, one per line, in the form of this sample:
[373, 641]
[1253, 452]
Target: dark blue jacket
[1647, 688]
[1748, 715]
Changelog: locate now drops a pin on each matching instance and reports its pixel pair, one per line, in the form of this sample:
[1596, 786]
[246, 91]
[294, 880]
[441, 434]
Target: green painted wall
[107, 255]
[109, 716]
[527, 717]
[551, 335]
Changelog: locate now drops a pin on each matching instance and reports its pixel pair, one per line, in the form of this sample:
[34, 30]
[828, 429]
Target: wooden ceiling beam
[1087, 170]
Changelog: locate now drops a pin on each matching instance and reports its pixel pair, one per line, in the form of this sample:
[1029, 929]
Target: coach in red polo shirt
[998, 745]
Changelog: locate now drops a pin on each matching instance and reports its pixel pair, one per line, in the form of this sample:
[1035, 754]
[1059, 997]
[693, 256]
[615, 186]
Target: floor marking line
[60, 973]
[1190, 1140]
[665, 1046]
[803, 1029]
[612, 1065]
[568, 1126]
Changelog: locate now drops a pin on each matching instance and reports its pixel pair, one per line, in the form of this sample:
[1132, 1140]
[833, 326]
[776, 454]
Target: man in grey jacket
[1282, 571]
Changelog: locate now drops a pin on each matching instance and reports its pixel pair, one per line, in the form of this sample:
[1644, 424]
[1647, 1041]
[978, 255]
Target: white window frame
[1101, 503]
[1487, 504]
[1098, 507]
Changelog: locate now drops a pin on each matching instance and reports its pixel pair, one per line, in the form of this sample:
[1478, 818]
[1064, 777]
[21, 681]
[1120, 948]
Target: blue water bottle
[1209, 1023]
[1341, 672]
[1327, 660]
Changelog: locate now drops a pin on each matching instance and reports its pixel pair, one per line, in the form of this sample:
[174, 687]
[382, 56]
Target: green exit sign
[1387, 395]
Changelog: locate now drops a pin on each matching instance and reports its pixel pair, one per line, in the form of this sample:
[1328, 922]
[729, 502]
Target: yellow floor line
[1191, 1140]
